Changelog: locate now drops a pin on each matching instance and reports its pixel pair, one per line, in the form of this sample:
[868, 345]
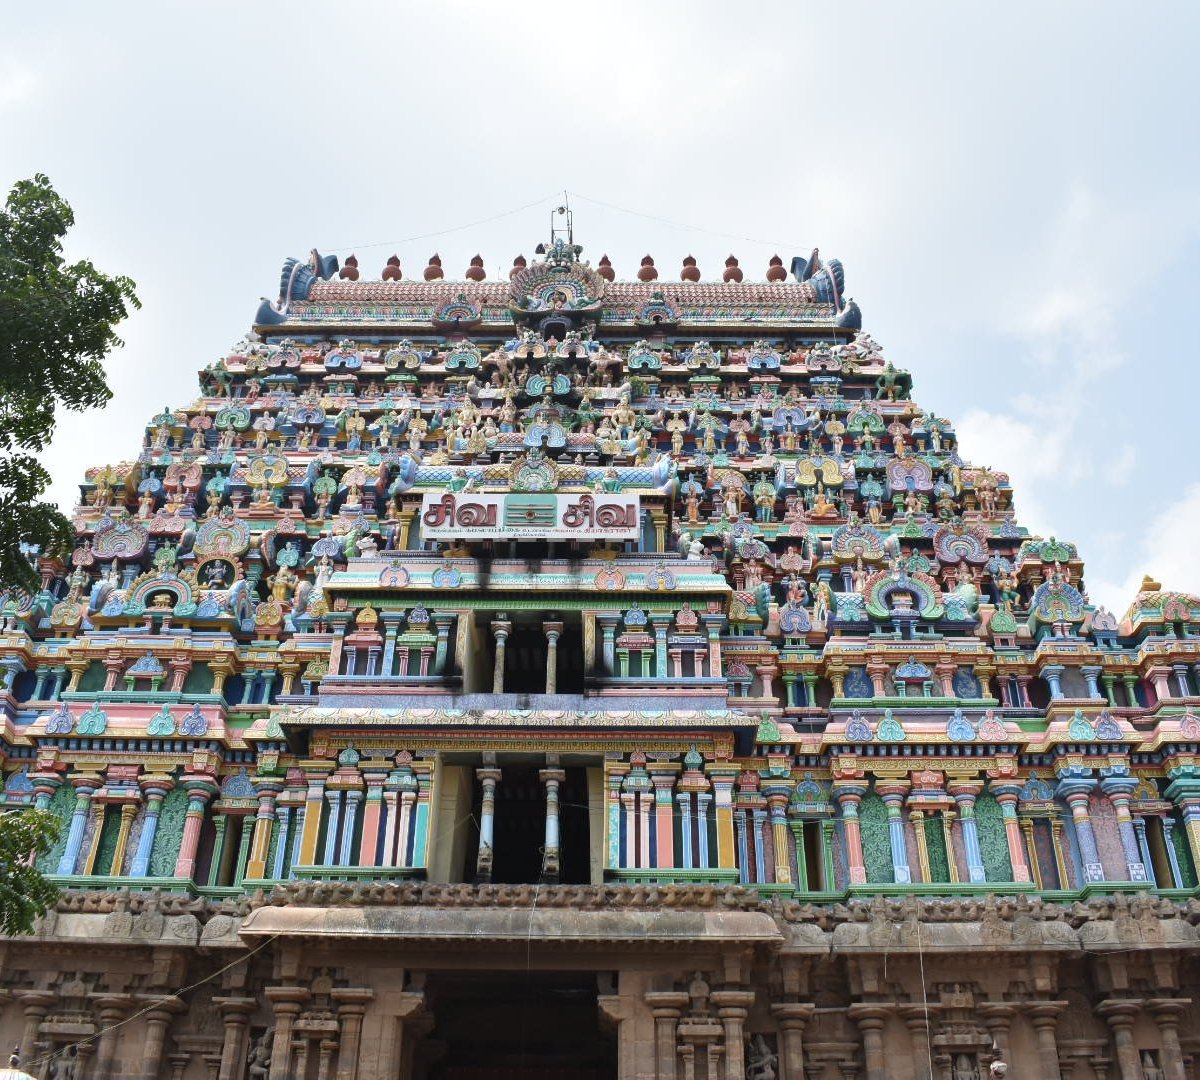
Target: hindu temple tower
[542, 675]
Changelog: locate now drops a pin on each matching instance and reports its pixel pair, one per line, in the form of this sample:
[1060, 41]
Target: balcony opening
[519, 829]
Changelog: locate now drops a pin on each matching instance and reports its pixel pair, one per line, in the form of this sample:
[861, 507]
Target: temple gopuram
[556, 676]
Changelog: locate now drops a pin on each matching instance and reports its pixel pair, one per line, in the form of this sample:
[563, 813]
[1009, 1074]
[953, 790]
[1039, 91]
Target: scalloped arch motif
[956, 543]
[119, 539]
[884, 583]
[850, 542]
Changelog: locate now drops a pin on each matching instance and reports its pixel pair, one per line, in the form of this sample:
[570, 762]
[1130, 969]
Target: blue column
[760, 854]
[391, 627]
[83, 802]
[660, 644]
[893, 800]
[1139, 827]
[140, 866]
[1091, 672]
[1052, 673]
[1118, 788]
[297, 839]
[334, 798]
[964, 797]
[684, 799]
[739, 817]
[703, 799]
[353, 798]
[1075, 791]
[282, 816]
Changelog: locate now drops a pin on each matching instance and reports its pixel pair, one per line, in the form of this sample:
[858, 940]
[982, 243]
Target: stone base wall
[341, 982]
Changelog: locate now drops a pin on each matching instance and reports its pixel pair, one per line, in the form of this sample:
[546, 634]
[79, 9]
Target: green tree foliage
[57, 322]
[24, 893]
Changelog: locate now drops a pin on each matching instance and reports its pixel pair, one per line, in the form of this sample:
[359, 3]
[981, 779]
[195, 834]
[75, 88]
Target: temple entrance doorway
[517, 1026]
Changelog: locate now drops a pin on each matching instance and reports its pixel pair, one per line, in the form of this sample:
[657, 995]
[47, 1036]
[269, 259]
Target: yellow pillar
[723, 801]
[314, 803]
[128, 810]
[260, 844]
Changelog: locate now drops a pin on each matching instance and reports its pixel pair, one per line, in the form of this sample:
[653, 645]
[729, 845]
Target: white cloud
[1168, 550]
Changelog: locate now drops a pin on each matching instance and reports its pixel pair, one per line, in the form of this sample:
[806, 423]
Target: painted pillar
[553, 632]
[1052, 673]
[283, 816]
[686, 857]
[500, 630]
[965, 794]
[703, 814]
[334, 799]
[354, 798]
[368, 848]
[489, 777]
[848, 794]
[1184, 790]
[1118, 788]
[723, 804]
[200, 790]
[220, 825]
[613, 783]
[155, 788]
[264, 821]
[1168, 826]
[85, 788]
[664, 821]
[551, 860]
[1091, 673]
[442, 621]
[743, 847]
[661, 621]
[128, 812]
[310, 831]
[893, 792]
[608, 633]
[1075, 790]
[777, 803]
[1139, 828]
[1008, 795]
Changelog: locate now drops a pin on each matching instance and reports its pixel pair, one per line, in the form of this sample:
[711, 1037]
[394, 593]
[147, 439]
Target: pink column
[664, 826]
[200, 790]
[367, 855]
[1007, 796]
[848, 796]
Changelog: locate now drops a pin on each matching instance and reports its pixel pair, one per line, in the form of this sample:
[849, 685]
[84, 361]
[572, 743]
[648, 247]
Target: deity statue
[283, 583]
[761, 1060]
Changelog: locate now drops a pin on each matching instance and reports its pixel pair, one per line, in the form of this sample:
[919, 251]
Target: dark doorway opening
[516, 1026]
[525, 661]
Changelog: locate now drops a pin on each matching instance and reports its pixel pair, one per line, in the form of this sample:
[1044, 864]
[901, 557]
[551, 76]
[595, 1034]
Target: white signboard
[528, 515]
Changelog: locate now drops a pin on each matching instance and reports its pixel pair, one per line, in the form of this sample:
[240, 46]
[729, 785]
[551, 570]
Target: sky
[1013, 190]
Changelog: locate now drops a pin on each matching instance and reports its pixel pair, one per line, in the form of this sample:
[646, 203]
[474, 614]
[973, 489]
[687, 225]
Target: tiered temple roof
[696, 537]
